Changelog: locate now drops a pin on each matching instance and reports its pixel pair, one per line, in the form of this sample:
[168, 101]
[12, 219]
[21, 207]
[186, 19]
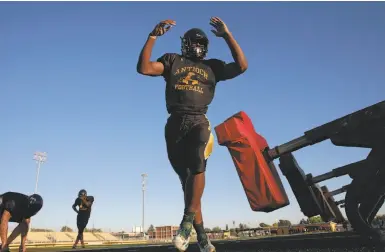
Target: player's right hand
[162, 27]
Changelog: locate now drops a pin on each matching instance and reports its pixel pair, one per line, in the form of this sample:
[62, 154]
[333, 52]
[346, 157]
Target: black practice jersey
[190, 85]
[17, 205]
[83, 209]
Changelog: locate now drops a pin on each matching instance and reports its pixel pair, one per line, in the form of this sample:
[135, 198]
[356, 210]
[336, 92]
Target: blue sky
[69, 87]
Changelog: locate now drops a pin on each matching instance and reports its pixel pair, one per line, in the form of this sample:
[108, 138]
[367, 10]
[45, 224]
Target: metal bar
[338, 191]
[340, 202]
[375, 210]
[144, 175]
[323, 177]
[37, 175]
[340, 171]
[143, 214]
[325, 131]
[288, 147]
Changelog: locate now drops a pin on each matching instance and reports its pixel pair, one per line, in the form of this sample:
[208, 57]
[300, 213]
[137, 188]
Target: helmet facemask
[194, 47]
[82, 193]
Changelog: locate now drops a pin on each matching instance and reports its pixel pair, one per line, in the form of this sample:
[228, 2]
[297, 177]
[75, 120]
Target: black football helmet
[82, 193]
[35, 203]
[195, 44]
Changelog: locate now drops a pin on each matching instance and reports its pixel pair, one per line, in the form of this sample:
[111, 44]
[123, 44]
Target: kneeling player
[84, 203]
[19, 208]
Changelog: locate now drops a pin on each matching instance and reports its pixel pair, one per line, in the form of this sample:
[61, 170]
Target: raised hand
[162, 27]
[220, 27]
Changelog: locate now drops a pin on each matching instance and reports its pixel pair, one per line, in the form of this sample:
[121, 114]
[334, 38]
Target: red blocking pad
[260, 180]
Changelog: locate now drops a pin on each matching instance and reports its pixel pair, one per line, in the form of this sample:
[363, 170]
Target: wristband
[151, 35]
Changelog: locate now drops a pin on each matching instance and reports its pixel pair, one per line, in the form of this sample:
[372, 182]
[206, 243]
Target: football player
[191, 80]
[19, 208]
[84, 203]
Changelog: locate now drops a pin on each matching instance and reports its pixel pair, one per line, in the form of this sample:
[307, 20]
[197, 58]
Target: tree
[227, 227]
[275, 224]
[66, 229]
[263, 225]
[94, 230]
[243, 226]
[284, 223]
[217, 229]
[207, 230]
[315, 219]
[151, 229]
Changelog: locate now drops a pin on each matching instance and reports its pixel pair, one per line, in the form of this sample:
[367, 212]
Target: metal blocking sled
[364, 196]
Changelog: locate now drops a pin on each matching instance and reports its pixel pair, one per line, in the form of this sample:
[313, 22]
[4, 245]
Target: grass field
[88, 247]
[55, 249]
[116, 246]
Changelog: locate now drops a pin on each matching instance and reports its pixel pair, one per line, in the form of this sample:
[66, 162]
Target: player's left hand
[221, 29]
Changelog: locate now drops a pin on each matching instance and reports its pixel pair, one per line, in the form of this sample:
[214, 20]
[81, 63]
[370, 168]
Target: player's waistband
[187, 109]
[188, 115]
[188, 119]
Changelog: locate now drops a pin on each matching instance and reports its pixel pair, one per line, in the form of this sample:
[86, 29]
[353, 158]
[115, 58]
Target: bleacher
[73, 235]
[60, 237]
[90, 237]
[38, 237]
[63, 237]
[107, 236]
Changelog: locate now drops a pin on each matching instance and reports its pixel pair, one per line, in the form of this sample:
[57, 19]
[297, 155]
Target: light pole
[144, 175]
[39, 157]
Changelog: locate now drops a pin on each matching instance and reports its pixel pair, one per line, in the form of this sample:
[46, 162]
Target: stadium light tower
[144, 175]
[39, 157]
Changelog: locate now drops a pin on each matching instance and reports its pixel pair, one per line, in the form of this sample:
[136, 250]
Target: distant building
[128, 235]
[136, 229]
[165, 233]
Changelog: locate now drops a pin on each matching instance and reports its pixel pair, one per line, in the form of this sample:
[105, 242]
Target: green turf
[55, 249]
[66, 248]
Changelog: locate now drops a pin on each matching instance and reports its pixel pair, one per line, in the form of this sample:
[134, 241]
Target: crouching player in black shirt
[84, 203]
[19, 208]
[190, 86]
